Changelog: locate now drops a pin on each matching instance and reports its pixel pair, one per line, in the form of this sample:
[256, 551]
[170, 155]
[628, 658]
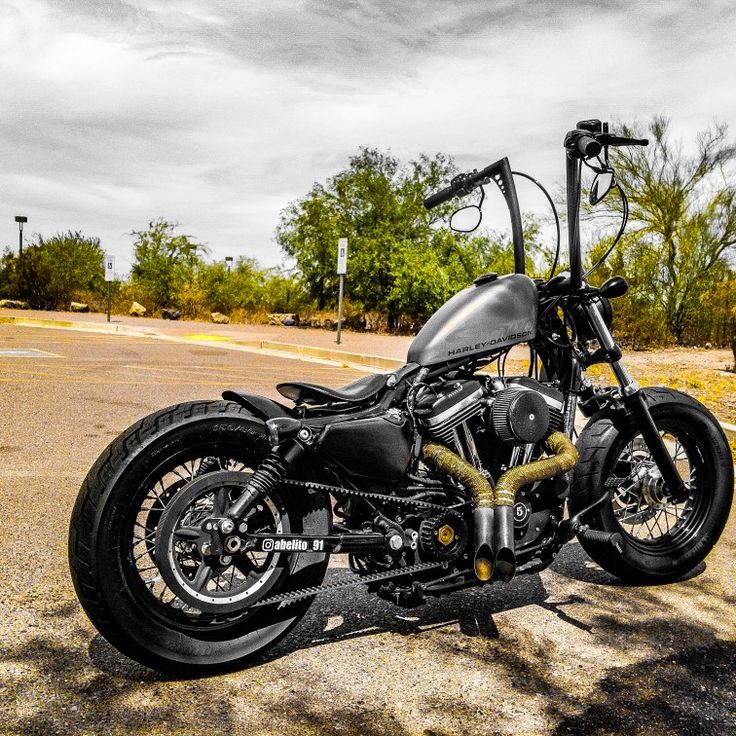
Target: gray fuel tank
[493, 314]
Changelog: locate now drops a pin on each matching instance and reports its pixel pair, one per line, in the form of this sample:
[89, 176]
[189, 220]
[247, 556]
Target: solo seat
[357, 392]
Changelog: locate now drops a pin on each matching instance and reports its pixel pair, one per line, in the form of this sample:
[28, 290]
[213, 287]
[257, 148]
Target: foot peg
[597, 537]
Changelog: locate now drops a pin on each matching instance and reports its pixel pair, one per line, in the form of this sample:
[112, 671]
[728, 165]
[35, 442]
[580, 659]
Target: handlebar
[499, 172]
[465, 183]
[582, 143]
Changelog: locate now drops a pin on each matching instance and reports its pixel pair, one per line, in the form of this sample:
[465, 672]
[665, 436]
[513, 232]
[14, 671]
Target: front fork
[635, 403]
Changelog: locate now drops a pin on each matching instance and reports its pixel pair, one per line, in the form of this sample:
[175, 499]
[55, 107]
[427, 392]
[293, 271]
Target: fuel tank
[495, 313]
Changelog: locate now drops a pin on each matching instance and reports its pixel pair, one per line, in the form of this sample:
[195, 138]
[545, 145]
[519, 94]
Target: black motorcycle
[202, 534]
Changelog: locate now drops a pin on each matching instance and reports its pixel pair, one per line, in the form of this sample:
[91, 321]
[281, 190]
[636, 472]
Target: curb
[63, 324]
[336, 356]
[278, 349]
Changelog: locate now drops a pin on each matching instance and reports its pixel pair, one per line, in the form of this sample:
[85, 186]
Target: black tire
[662, 541]
[131, 608]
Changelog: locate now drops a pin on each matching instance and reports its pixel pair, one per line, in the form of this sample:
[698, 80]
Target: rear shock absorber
[263, 481]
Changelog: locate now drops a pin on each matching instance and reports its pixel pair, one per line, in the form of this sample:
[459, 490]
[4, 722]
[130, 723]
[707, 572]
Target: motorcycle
[202, 534]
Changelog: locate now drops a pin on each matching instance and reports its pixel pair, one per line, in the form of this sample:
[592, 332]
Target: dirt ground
[568, 651]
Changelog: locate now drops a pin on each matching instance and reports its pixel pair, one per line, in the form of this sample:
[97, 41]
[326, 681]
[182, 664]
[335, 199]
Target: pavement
[566, 651]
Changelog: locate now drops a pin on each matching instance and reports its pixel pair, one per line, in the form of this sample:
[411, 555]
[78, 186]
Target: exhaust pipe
[564, 458]
[484, 557]
[494, 513]
[449, 462]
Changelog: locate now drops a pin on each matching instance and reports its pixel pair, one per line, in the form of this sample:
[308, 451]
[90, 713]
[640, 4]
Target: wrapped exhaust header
[494, 513]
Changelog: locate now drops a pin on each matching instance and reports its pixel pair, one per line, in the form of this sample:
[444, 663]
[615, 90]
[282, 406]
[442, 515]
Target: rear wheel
[662, 539]
[171, 468]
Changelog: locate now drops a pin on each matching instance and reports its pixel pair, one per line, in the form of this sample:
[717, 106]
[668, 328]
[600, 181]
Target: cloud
[218, 114]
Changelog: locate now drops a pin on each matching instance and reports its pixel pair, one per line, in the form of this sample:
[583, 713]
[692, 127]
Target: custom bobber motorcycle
[203, 533]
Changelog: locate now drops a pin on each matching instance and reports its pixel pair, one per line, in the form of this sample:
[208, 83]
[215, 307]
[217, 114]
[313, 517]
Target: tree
[683, 213]
[239, 288]
[166, 264]
[400, 262]
[49, 274]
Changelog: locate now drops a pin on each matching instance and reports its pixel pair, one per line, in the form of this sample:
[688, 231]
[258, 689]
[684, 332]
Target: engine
[517, 411]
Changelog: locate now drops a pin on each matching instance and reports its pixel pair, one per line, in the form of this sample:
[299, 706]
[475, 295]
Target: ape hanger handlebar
[586, 141]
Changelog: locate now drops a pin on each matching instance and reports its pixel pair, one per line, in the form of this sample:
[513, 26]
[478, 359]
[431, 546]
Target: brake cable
[554, 212]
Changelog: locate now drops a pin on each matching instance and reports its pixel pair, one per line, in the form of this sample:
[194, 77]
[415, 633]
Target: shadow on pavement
[689, 691]
[693, 692]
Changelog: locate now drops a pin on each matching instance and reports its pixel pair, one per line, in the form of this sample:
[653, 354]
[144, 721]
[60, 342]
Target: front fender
[262, 407]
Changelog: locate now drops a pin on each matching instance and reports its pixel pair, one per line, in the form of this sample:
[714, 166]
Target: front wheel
[174, 468]
[662, 539]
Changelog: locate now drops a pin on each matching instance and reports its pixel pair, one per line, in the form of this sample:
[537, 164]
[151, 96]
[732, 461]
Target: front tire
[662, 540]
[112, 540]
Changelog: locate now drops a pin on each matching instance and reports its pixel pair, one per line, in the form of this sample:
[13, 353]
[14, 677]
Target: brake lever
[607, 139]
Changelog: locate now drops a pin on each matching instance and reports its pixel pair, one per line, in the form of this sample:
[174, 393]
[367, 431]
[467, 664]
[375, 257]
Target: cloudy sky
[217, 114]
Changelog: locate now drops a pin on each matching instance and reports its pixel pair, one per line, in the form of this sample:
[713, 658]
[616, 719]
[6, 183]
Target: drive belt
[348, 583]
[380, 497]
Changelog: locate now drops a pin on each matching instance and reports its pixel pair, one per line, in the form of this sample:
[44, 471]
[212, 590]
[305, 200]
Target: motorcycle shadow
[573, 563]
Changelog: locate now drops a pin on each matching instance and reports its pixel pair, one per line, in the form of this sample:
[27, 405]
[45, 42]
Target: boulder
[708, 346]
[136, 310]
[280, 318]
[13, 304]
[171, 313]
[220, 319]
[78, 307]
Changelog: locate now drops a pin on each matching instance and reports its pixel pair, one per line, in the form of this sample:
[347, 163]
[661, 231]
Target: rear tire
[662, 540]
[112, 540]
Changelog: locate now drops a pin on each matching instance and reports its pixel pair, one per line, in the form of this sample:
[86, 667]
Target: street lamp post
[20, 219]
[229, 261]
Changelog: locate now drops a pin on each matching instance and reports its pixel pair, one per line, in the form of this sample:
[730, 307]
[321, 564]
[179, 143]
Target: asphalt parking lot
[567, 651]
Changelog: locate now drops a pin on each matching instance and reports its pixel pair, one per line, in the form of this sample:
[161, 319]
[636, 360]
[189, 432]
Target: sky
[218, 114]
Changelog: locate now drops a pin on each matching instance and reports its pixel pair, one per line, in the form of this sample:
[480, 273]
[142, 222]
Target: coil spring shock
[263, 481]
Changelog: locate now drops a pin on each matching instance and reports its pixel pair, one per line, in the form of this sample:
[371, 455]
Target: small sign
[109, 268]
[342, 256]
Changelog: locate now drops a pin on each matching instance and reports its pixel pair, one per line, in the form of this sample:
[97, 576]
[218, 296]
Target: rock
[708, 346]
[136, 310]
[280, 318]
[220, 319]
[171, 313]
[13, 304]
[78, 307]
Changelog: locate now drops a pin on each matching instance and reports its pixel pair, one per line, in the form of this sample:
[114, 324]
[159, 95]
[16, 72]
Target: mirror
[466, 219]
[601, 186]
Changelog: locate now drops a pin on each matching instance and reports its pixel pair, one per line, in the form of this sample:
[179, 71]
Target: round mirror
[466, 219]
[601, 186]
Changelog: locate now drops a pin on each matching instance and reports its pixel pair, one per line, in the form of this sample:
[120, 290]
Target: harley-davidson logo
[489, 343]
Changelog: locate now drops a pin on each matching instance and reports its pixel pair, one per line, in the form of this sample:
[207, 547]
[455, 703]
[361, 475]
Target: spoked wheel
[154, 590]
[663, 538]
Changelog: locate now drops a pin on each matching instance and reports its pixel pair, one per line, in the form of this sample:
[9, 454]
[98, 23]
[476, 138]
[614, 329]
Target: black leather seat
[357, 392]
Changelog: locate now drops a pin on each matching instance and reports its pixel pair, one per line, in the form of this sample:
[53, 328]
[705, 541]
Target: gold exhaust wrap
[494, 531]
[512, 480]
[444, 459]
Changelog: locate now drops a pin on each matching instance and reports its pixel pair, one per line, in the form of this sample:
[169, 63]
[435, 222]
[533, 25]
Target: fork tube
[573, 221]
[635, 402]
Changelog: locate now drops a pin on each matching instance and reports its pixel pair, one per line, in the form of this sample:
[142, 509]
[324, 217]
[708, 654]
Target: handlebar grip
[439, 197]
[587, 146]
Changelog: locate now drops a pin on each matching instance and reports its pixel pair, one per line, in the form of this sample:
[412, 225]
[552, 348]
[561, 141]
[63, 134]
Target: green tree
[50, 273]
[239, 288]
[682, 219]
[166, 265]
[400, 261]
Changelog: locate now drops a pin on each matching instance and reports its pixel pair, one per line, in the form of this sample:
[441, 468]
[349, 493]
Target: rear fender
[261, 407]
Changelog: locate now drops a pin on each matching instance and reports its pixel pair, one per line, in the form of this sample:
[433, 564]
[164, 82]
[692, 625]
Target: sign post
[342, 267]
[109, 277]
